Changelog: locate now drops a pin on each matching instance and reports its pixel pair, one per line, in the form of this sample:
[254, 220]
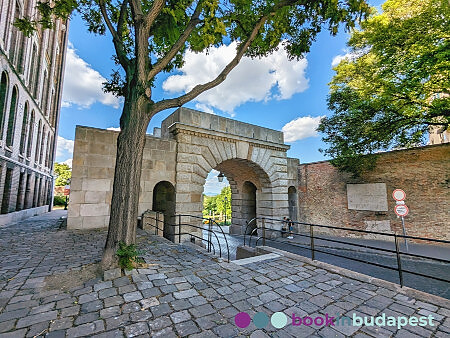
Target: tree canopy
[392, 85]
[63, 174]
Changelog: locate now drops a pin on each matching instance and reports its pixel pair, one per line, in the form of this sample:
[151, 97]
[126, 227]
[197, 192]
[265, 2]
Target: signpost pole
[404, 233]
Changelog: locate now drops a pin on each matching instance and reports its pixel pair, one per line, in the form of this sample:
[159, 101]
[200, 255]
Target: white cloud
[205, 108]
[301, 128]
[212, 185]
[83, 85]
[113, 128]
[64, 147]
[350, 56]
[260, 79]
[68, 162]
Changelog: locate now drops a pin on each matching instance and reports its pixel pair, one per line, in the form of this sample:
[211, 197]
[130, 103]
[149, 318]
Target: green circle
[278, 320]
[260, 320]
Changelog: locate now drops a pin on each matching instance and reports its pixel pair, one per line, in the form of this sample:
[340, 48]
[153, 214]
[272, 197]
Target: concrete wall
[423, 173]
[93, 173]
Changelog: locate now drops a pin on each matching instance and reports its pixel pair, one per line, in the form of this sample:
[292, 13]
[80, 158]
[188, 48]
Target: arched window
[25, 127]
[16, 38]
[38, 142]
[45, 95]
[3, 96]
[32, 70]
[47, 152]
[30, 135]
[41, 152]
[12, 117]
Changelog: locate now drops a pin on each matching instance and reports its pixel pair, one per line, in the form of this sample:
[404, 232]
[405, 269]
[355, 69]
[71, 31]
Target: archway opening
[292, 203]
[249, 204]
[251, 193]
[217, 198]
[164, 202]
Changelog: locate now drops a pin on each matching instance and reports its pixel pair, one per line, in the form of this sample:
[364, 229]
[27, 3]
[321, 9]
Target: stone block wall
[93, 173]
[423, 173]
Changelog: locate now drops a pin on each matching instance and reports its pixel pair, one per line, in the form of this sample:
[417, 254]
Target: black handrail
[174, 225]
[207, 240]
[248, 224]
[207, 219]
[195, 226]
[250, 238]
[397, 251]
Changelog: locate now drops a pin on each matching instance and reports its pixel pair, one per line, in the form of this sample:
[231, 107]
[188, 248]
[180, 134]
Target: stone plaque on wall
[370, 196]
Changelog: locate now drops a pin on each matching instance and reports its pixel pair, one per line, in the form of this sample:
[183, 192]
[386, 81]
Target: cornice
[181, 128]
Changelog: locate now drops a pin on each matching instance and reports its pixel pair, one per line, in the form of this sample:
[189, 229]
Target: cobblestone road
[184, 292]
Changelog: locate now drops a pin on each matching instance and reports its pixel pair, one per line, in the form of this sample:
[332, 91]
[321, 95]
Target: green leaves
[63, 174]
[128, 255]
[384, 93]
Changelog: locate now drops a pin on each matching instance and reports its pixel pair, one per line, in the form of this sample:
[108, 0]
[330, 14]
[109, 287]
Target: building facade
[31, 73]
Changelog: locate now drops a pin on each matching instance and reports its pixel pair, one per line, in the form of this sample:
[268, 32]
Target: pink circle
[242, 319]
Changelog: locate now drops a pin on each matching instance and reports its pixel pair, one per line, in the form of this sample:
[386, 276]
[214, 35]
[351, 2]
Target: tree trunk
[127, 178]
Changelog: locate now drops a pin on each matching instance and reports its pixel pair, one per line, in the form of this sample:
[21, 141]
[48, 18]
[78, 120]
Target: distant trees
[215, 205]
[392, 86]
[63, 174]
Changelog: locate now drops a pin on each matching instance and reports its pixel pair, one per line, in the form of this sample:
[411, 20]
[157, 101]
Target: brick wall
[423, 173]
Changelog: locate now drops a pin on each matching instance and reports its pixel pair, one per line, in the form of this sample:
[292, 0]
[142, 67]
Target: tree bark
[127, 178]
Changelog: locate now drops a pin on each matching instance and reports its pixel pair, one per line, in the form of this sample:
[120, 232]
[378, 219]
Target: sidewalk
[186, 292]
[441, 251]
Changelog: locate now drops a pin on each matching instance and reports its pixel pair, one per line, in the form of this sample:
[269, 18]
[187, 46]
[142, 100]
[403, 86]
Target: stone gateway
[176, 162]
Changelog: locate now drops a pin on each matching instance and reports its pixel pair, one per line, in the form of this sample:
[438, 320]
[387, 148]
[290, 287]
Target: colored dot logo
[260, 320]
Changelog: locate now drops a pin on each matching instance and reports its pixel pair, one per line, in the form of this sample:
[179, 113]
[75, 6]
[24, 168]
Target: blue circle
[260, 320]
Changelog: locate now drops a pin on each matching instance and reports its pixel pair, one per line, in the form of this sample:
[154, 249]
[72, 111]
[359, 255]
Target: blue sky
[273, 92]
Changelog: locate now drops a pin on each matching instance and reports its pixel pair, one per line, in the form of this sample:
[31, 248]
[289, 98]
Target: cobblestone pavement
[427, 267]
[184, 292]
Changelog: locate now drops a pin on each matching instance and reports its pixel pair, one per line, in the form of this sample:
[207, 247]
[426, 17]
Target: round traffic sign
[401, 210]
[398, 195]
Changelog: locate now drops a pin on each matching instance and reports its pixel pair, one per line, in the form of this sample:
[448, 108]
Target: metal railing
[180, 224]
[312, 238]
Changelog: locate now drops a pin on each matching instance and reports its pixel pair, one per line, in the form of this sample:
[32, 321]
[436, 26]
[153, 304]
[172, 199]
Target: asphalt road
[426, 267]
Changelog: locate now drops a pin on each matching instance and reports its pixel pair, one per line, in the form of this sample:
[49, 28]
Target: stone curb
[423, 296]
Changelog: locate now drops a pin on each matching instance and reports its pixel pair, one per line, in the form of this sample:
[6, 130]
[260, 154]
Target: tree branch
[153, 13]
[121, 21]
[176, 47]
[117, 39]
[137, 10]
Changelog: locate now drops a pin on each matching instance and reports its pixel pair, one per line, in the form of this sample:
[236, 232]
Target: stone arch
[247, 180]
[164, 202]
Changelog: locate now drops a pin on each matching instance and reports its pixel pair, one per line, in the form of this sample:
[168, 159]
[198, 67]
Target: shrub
[59, 200]
[128, 256]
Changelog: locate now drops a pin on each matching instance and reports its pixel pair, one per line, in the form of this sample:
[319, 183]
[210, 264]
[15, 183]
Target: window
[38, 142]
[16, 38]
[3, 96]
[30, 135]
[41, 152]
[7, 191]
[49, 152]
[44, 103]
[32, 70]
[12, 117]
[25, 127]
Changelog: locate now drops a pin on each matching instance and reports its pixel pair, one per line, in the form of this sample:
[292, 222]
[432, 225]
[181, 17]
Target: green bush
[59, 200]
[128, 255]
